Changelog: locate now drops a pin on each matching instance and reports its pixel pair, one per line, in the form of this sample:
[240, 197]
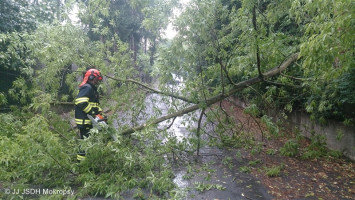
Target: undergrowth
[39, 151]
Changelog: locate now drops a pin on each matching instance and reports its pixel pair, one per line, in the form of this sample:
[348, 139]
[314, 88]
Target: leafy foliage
[200, 186]
[15, 16]
[14, 53]
[35, 151]
[274, 171]
[291, 148]
[218, 50]
[131, 22]
[316, 149]
[125, 164]
[22, 15]
[31, 152]
[217, 46]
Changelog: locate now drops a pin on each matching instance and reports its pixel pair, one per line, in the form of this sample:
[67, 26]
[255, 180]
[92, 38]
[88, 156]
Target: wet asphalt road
[216, 171]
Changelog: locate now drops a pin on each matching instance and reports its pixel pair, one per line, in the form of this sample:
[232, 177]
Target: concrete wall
[346, 144]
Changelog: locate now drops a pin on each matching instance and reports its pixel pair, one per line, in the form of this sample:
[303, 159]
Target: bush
[317, 148]
[291, 148]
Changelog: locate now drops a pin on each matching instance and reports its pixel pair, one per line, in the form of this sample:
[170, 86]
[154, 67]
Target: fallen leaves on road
[321, 178]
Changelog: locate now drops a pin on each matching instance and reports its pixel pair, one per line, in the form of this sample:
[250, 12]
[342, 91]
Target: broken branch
[237, 87]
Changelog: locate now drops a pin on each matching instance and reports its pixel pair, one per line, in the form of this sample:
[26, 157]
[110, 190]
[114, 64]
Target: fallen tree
[236, 87]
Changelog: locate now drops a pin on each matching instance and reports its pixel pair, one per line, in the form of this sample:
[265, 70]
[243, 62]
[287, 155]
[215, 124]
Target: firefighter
[87, 102]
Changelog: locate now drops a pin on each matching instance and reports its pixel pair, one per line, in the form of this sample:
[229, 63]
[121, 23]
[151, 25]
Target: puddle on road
[179, 180]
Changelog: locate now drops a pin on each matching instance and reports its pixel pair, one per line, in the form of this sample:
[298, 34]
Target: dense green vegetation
[219, 45]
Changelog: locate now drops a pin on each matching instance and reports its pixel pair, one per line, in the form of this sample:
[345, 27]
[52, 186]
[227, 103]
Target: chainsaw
[98, 122]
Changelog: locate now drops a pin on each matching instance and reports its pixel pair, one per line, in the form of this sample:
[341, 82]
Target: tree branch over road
[208, 102]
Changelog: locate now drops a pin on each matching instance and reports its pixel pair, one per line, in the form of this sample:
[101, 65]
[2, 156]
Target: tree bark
[256, 41]
[237, 87]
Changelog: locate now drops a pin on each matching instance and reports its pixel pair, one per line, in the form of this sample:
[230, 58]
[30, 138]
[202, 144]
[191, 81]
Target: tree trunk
[132, 47]
[59, 5]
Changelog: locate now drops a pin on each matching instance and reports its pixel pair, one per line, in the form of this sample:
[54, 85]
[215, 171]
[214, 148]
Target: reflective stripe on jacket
[87, 102]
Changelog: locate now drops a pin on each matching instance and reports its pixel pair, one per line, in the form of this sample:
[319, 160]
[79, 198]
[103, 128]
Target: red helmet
[90, 75]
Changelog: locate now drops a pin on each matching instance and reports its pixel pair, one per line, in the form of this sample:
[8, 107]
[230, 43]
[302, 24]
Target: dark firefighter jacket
[87, 102]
